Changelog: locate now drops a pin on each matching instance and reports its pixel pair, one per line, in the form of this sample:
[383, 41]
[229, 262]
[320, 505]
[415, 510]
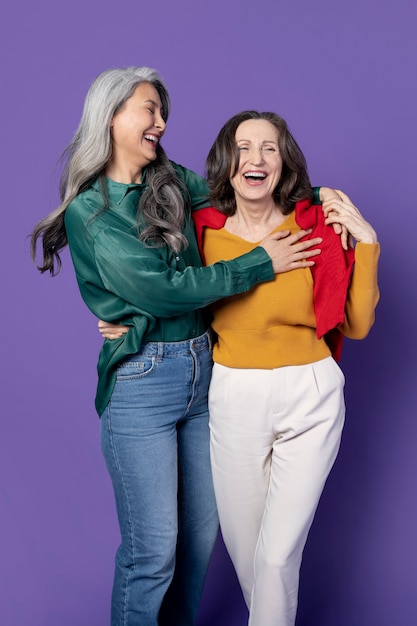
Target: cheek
[118, 128]
[278, 170]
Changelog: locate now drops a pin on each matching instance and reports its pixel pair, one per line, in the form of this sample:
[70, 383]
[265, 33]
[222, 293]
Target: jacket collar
[117, 191]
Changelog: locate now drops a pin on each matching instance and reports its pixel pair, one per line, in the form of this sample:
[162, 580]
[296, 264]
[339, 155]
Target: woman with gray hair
[125, 213]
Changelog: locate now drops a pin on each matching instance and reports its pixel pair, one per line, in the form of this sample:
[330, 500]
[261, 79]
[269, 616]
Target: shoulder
[184, 172]
[82, 208]
[195, 185]
[311, 216]
[85, 218]
[192, 180]
[209, 217]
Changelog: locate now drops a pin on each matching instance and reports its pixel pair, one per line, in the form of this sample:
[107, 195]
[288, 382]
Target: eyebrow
[274, 141]
[152, 102]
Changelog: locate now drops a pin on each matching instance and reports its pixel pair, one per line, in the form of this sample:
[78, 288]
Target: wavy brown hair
[223, 162]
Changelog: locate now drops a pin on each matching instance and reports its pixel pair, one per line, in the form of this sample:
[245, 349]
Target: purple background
[343, 75]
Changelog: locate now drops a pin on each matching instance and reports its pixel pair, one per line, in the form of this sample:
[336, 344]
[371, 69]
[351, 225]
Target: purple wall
[343, 75]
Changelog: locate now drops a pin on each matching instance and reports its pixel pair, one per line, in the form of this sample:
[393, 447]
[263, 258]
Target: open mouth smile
[153, 139]
[255, 176]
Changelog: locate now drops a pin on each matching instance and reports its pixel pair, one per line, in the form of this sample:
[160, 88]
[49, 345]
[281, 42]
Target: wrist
[316, 195]
[369, 238]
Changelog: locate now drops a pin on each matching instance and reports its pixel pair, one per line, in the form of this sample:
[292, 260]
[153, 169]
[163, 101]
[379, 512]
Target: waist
[269, 348]
[176, 329]
[177, 348]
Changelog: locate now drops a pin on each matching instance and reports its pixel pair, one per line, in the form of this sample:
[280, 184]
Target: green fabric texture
[157, 292]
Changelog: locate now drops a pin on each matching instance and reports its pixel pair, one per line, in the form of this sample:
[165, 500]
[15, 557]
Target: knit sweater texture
[301, 316]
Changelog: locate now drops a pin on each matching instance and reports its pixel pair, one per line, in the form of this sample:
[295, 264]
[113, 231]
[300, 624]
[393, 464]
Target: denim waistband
[165, 348]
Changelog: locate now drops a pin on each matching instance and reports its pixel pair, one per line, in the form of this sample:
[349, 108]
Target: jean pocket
[139, 367]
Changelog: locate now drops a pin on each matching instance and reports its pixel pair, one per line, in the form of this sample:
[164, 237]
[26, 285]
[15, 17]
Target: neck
[253, 222]
[124, 172]
[257, 213]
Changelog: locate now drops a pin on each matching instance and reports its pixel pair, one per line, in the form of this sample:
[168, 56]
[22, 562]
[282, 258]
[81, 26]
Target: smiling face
[260, 162]
[136, 130]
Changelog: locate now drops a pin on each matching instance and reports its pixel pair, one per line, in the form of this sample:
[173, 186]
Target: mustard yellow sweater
[274, 325]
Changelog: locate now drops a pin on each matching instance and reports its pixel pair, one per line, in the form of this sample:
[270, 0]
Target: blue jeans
[155, 439]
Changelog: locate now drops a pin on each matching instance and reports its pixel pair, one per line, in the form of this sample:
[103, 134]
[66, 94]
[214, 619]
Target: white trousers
[275, 435]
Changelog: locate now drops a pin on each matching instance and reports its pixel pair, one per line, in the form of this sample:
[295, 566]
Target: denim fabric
[155, 439]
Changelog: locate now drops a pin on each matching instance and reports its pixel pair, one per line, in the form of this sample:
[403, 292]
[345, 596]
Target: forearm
[164, 292]
[363, 295]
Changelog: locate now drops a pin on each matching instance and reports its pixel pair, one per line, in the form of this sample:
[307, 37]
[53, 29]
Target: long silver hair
[88, 154]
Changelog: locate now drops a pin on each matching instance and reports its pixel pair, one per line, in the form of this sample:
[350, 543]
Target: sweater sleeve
[363, 294]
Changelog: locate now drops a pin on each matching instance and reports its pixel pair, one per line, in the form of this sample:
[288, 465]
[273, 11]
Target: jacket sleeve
[115, 261]
[363, 294]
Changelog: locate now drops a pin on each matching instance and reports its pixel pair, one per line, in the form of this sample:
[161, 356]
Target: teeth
[151, 138]
[254, 175]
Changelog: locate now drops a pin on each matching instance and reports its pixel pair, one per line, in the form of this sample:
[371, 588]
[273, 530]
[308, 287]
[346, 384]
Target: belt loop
[210, 339]
[160, 353]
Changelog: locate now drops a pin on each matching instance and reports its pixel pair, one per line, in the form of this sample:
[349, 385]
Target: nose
[257, 156]
[160, 123]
